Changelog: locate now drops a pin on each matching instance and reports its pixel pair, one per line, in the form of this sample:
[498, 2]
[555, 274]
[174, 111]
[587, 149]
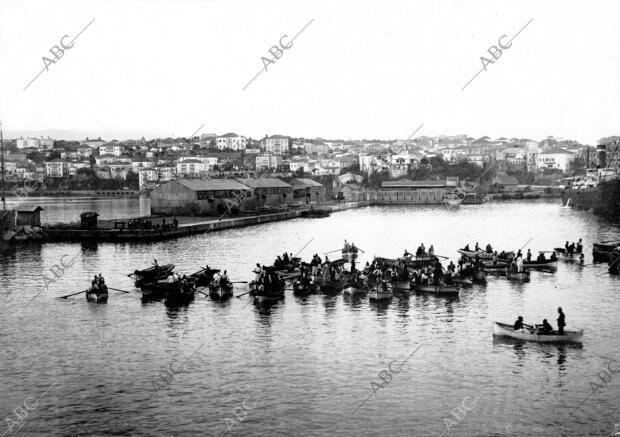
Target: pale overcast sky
[360, 69]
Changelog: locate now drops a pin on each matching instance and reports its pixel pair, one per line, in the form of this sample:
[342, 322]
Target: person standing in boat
[561, 321]
[528, 257]
[155, 265]
[466, 248]
[579, 246]
[431, 250]
[477, 248]
[519, 264]
[224, 279]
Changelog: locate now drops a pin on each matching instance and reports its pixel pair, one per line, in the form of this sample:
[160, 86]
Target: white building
[210, 161]
[555, 158]
[38, 143]
[191, 167]
[147, 176]
[231, 141]
[277, 144]
[268, 161]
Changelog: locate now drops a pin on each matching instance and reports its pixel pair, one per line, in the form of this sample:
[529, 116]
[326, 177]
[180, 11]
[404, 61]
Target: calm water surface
[304, 366]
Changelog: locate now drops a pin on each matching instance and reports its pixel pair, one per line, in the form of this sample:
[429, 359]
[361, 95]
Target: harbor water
[315, 366]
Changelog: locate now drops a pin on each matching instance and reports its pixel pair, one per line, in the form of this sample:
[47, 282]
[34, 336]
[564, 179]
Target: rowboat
[331, 287]
[562, 254]
[304, 289]
[179, 294]
[548, 264]
[437, 289]
[603, 250]
[97, 294]
[151, 274]
[217, 291]
[203, 277]
[484, 255]
[518, 276]
[506, 330]
[381, 291]
[411, 261]
[266, 297]
[158, 289]
[355, 289]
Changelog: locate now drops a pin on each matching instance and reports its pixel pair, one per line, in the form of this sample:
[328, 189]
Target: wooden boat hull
[300, 289]
[268, 300]
[479, 276]
[378, 293]
[452, 290]
[414, 262]
[518, 276]
[219, 292]
[541, 265]
[506, 330]
[100, 296]
[354, 290]
[152, 274]
[603, 250]
[484, 255]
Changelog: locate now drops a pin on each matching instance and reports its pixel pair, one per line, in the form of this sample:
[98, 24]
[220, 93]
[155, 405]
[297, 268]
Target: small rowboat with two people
[542, 263]
[485, 255]
[349, 251]
[381, 291]
[506, 330]
[442, 289]
[97, 293]
[152, 274]
[221, 288]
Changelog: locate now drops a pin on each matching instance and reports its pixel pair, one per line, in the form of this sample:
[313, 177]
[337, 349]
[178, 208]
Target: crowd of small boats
[380, 280]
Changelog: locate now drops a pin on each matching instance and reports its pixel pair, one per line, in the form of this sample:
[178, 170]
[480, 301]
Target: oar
[116, 289]
[303, 247]
[243, 294]
[360, 250]
[337, 250]
[69, 295]
[526, 243]
[202, 293]
[238, 282]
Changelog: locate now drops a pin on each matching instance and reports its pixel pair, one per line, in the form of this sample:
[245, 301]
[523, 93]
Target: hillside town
[289, 166]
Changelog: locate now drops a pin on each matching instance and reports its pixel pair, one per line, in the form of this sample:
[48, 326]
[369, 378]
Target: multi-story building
[56, 168]
[94, 144]
[210, 161]
[147, 176]
[74, 166]
[315, 146]
[166, 172]
[191, 167]
[555, 158]
[268, 161]
[37, 143]
[119, 170]
[84, 151]
[278, 145]
[231, 141]
[140, 163]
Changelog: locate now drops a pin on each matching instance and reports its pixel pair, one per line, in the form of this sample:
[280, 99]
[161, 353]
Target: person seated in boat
[451, 267]
[285, 258]
[224, 279]
[170, 279]
[477, 248]
[353, 248]
[513, 266]
[407, 254]
[184, 281]
[489, 248]
[466, 248]
[528, 257]
[518, 323]
[554, 257]
[494, 258]
[431, 250]
[94, 281]
[545, 328]
[579, 246]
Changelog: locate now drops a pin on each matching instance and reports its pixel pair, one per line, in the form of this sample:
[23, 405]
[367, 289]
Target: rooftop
[211, 184]
[412, 184]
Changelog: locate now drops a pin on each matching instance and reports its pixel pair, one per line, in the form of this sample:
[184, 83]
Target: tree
[55, 154]
[36, 157]
[299, 173]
